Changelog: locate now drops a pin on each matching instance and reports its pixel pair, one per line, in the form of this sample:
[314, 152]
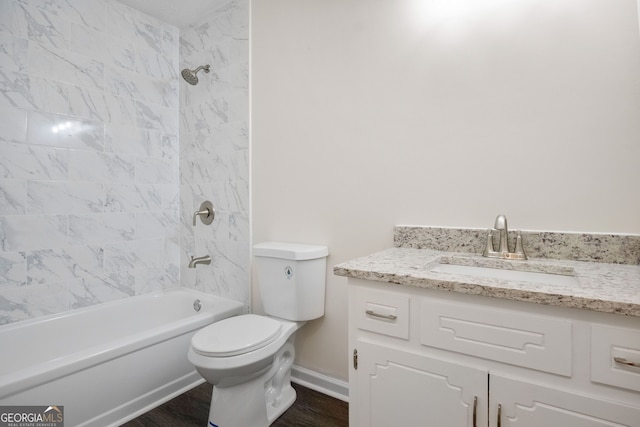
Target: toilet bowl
[248, 358]
[239, 354]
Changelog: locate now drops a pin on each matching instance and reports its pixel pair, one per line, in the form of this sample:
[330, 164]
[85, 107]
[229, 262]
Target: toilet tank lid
[292, 251]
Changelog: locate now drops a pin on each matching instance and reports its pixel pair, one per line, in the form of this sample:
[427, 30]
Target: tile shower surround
[214, 152]
[89, 156]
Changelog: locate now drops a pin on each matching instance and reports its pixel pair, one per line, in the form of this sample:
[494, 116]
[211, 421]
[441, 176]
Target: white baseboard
[320, 382]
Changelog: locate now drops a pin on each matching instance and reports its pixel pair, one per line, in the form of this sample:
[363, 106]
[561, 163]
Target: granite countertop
[603, 287]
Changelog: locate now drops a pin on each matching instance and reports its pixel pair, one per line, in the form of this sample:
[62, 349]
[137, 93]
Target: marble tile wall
[89, 156]
[214, 152]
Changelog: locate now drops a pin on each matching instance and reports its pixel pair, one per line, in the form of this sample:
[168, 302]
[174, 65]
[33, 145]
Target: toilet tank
[291, 279]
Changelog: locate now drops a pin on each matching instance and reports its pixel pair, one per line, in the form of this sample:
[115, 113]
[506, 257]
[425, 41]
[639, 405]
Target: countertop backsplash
[606, 248]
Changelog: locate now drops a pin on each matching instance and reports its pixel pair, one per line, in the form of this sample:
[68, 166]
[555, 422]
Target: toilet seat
[236, 335]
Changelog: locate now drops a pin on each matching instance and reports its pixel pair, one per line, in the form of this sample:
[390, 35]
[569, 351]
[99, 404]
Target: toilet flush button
[288, 271]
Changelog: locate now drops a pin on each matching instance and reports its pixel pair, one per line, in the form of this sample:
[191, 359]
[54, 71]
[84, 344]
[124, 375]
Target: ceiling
[179, 13]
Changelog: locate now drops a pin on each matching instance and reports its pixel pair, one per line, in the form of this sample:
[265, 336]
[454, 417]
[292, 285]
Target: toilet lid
[236, 335]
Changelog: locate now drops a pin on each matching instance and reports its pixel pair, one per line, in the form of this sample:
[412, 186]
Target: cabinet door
[527, 405]
[399, 388]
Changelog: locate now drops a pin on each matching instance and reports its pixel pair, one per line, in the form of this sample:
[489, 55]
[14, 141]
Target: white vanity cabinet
[520, 403]
[402, 388]
[425, 357]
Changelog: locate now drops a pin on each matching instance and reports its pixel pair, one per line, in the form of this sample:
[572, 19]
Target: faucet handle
[519, 249]
[489, 246]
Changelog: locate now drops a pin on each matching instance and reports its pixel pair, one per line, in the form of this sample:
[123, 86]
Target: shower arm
[206, 69]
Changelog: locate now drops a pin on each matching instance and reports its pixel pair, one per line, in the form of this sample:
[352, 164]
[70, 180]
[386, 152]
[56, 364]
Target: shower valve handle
[206, 213]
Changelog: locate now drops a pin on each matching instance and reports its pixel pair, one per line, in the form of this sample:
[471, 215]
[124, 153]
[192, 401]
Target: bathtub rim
[26, 378]
[125, 300]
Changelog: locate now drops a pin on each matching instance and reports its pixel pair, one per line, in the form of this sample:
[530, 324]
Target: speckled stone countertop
[600, 286]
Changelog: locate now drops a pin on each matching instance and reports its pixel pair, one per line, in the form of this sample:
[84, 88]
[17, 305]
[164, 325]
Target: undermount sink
[560, 277]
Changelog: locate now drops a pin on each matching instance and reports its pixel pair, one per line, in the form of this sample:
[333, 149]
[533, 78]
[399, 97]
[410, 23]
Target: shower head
[190, 75]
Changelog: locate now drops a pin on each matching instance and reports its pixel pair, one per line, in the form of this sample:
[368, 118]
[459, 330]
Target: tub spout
[199, 260]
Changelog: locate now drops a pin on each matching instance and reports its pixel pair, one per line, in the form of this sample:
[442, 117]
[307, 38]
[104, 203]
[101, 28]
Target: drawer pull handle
[499, 415]
[381, 316]
[624, 361]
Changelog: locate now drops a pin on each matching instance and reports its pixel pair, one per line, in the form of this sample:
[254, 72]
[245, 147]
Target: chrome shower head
[190, 75]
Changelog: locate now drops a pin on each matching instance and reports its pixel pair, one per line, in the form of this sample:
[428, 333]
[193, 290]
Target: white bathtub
[108, 363]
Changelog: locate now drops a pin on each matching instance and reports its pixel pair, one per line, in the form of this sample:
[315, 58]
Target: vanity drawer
[382, 312]
[615, 356]
[532, 341]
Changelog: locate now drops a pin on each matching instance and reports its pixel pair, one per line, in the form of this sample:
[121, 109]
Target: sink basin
[566, 278]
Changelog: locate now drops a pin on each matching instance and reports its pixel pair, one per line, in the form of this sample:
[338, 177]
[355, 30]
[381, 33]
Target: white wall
[88, 211]
[372, 113]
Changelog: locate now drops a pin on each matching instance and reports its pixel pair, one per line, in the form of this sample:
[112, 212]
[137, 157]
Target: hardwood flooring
[191, 409]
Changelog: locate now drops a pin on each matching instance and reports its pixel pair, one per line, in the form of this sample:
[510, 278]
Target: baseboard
[146, 402]
[320, 383]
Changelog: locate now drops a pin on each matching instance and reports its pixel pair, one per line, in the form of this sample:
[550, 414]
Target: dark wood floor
[191, 409]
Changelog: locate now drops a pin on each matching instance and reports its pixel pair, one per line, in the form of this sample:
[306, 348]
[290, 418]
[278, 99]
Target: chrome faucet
[503, 248]
[199, 260]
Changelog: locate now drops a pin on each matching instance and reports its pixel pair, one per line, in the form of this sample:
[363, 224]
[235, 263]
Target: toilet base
[286, 400]
[257, 402]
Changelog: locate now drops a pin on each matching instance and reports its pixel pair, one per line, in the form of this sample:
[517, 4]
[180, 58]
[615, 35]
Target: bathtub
[108, 363]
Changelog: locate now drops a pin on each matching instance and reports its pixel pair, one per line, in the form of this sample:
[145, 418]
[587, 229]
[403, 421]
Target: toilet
[248, 358]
